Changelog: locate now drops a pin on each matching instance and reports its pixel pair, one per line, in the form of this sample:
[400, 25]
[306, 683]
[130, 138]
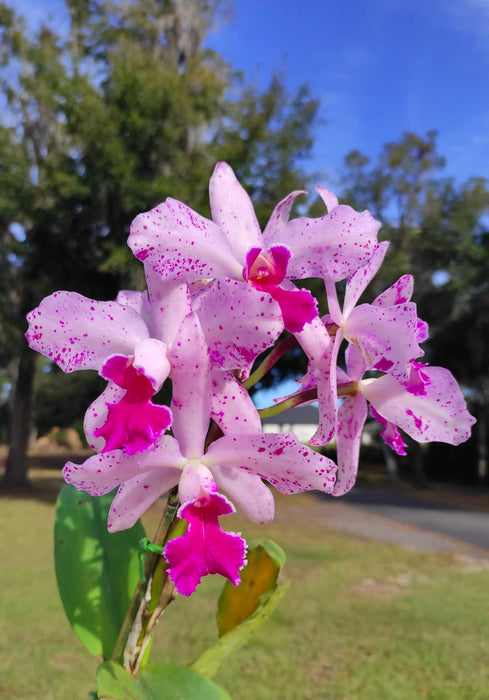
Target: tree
[103, 123]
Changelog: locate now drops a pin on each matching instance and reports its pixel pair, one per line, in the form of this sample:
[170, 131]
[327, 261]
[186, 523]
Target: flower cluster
[219, 293]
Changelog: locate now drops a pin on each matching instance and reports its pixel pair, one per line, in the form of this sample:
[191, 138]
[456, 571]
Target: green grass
[361, 620]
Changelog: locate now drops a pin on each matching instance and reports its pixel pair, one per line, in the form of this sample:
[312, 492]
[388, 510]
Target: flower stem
[150, 598]
[272, 357]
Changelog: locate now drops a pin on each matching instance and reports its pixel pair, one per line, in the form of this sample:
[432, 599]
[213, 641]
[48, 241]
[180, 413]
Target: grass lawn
[361, 620]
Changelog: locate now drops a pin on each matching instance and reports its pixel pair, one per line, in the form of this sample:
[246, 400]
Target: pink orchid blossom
[179, 244]
[439, 414]
[79, 333]
[237, 462]
[387, 332]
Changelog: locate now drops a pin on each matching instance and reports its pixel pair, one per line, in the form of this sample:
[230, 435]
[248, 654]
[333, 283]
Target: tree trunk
[482, 446]
[16, 468]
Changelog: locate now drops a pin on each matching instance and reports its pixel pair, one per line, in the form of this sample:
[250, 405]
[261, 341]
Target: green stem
[347, 389]
[156, 591]
[284, 346]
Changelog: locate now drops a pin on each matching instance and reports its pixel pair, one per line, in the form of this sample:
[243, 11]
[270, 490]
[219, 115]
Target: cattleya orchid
[177, 243]
[236, 462]
[219, 294]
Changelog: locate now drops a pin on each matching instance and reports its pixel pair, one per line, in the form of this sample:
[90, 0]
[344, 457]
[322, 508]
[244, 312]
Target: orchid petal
[329, 199]
[101, 473]
[334, 246]
[80, 333]
[351, 419]
[280, 215]
[279, 458]
[327, 395]
[136, 495]
[232, 210]
[204, 548]
[191, 398]
[390, 434]
[248, 492]
[169, 303]
[151, 360]
[179, 244]
[356, 364]
[360, 279]
[133, 421]
[96, 414]
[298, 306]
[320, 349]
[386, 336]
[441, 414]
[232, 407]
[398, 293]
[136, 300]
[238, 322]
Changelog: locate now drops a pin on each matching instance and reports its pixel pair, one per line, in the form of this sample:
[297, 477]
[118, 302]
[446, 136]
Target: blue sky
[380, 67]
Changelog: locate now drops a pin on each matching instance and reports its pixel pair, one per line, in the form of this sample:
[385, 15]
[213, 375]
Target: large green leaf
[97, 572]
[156, 683]
[244, 608]
[114, 682]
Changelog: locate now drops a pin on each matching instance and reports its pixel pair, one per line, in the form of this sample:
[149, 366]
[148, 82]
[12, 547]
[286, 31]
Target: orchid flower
[387, 332]
[439, 414]
[236, 462]
[179, 244]
[79, 333]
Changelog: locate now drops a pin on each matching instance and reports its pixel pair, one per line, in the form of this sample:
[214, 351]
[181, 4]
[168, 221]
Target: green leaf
[97, 572]
[208, 664]
[156, 683]
[115, 683]
[179, 683]
[258, 579]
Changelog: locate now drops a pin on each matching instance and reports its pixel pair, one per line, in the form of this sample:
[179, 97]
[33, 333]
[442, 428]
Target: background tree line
[128, 107]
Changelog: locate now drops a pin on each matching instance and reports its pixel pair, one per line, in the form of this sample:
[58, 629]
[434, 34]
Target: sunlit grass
[361, 620]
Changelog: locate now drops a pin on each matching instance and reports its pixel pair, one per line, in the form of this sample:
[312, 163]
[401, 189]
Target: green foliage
[155, 683]
[105, 121]
[97, 572]
[243, 609]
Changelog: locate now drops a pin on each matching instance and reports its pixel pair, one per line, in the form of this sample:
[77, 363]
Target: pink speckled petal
[151, 360]
[204, 548]
[238, 322]
[232, 408]
[356, 365]
[279, 458]
[136, 495]
[96, 414]
[191, 397]
[329, 199]
[333, 246]
[80, 333]
[280, 215]
[136, 300]
[248, 492]
[441, 414]
[351, 419]
[232, 210]
[101, 473]
[327, 396]
[390, 434]
[179, 244]
[169, 303]
[386, 336]
[298, 306]
[399, 293]
[360, 279]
